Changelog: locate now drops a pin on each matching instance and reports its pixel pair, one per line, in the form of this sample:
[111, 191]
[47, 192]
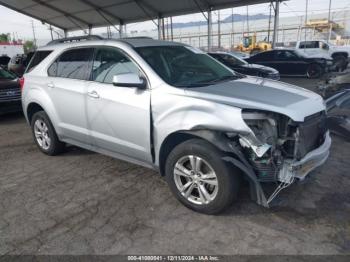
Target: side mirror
[130, 80]
[324, 46]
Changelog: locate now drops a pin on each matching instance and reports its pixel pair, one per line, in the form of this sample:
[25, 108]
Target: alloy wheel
[196, 179]
[41, 133]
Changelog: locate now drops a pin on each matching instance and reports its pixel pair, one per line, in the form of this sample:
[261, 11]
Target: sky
[20, 25]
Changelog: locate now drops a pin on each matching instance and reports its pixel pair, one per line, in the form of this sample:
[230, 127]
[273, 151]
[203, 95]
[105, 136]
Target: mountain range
[228, 19]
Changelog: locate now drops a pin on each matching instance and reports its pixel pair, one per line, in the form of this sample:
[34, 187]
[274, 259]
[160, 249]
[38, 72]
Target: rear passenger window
[37, 58]
[110, 62]
[74, 64]
[263, 56]
[309, 44]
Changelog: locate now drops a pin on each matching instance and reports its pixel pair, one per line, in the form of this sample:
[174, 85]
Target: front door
[118, 117]
[289, 63]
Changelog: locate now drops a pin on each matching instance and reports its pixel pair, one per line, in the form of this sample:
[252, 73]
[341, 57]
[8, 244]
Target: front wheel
[314, 71]
[340, 63]
[199, 178]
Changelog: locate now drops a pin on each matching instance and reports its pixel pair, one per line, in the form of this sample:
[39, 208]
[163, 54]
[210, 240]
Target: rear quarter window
[73, 64]
[37, 58]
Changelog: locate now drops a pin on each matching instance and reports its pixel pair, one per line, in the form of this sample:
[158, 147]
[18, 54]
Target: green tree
[5, 37]
[28, 46]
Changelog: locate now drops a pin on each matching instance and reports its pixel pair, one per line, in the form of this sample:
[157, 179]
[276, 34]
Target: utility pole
[306, 10]
[329, 21]
[33, 32]
[276, 24]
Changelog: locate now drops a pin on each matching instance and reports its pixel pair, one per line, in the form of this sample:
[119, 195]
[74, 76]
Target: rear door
[118, 117]
[265, 58]
[67, 86]
[289, 63]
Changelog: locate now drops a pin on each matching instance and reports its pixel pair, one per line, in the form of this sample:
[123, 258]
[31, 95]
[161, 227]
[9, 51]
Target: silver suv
[171, 107]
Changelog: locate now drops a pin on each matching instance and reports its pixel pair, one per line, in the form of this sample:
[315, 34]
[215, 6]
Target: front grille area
[12, 94]
[311, 134]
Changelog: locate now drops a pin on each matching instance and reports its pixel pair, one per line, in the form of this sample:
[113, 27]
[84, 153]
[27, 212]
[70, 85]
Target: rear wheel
[314, 71]
[199, 178]
[44, 134]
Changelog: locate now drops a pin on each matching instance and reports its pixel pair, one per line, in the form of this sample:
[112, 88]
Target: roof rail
[75, 39]
[136, 37]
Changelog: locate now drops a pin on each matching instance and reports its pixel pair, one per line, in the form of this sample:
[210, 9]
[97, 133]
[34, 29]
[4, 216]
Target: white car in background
[339, 54]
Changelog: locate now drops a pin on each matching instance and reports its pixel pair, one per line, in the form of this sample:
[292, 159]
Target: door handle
[93, 94]
[51, 85]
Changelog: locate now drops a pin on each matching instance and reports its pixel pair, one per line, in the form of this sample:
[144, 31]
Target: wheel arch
[37, 99]
[33, 108]
[218, 139]
[213, 137]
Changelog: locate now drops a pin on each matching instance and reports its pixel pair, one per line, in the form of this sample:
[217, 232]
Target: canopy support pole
[276, 24]
[159, 26]
[171, 28]
[210, 29]
[121, 31]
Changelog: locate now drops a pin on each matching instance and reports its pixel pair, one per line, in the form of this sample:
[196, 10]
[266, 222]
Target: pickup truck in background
[340, 54]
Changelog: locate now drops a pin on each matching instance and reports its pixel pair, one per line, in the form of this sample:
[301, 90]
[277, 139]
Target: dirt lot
[85, 203]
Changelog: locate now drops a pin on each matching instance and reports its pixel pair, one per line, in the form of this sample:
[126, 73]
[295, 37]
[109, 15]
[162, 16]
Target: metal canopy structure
[84, 14]
[72, 15]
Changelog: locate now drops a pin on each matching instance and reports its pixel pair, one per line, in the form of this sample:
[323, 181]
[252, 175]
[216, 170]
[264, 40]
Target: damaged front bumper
[290, 171]
[300, 169]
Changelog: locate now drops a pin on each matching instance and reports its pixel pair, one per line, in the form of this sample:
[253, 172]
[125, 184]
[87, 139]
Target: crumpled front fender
[173, 112]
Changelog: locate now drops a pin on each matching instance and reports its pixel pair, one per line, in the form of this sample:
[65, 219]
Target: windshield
[6, 75]
[183, 66]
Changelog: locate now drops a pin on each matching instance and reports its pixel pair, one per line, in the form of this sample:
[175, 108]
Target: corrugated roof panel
[78, 14]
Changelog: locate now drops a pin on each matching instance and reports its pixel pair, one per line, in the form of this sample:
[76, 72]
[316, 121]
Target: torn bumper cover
[287, 174]
[300, 169]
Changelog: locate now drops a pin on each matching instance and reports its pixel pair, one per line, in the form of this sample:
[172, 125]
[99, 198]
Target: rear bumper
[300, 169]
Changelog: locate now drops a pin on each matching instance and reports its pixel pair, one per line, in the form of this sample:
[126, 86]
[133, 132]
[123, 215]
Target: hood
[260, 68]
[262, 94]
[311, 53]
[344, 48]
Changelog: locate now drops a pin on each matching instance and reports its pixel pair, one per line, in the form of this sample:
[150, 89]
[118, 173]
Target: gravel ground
[86, 203]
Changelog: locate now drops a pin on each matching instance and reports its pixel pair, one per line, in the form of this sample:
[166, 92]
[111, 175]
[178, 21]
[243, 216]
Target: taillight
[21, 82]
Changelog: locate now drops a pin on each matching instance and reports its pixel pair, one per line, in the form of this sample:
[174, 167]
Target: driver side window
[109, 62]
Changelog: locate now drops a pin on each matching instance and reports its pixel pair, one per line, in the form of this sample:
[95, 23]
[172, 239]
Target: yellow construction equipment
[250, 45]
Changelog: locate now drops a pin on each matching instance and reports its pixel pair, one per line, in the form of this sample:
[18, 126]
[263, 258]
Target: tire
[44, 134]
[340, 62]
[314, 71]
[227, 178]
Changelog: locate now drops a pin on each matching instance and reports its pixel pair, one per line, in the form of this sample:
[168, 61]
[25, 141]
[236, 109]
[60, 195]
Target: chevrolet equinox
[171, 107]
